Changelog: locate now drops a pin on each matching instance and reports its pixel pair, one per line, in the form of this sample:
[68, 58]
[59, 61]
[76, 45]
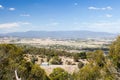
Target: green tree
[76, 57]
[88, 72]
[34, 59]
[97, 57]
[56, 60]
[60, 74]
[12, 58]
[37, 73]
[82, 55]
[115, 53]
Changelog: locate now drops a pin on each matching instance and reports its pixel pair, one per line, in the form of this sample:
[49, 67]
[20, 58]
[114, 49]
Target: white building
[45, 64]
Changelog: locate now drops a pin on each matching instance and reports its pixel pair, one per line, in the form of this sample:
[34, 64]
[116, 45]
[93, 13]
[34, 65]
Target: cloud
[12, 25]
[75, 4]
[112, 27]
[102, 24]
[109, 8]
[25, 15]
[24, 23]
[54, 23]
[108, 15]
[97, 8]
[1, 7]
[12, 9]
[9, 25]
[92, 8]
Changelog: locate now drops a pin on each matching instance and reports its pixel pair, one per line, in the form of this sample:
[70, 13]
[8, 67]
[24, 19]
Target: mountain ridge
[59, 34]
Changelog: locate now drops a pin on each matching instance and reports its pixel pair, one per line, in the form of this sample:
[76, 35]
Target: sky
[59, 15]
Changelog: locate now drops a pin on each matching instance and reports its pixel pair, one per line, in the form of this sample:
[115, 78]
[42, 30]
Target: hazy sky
[59, 15]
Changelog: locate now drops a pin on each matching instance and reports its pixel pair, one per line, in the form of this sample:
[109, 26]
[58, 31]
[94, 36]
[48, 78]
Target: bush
[115, 53]
[60, 74]
[75, 57]
[82, 55]
[34, 59]
[68, 62]
[56, 60]
[88, 72]
[80, 65]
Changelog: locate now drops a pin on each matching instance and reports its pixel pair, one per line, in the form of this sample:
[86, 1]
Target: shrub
[80, 65]
[56, 60]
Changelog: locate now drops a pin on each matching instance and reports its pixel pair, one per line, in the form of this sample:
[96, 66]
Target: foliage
[56, 60]
[45, 52]
[82, 55]
[37, 73]
[34, 59]
[11, 59]
[97, 57]
[88, 72]
[115, 53]
[60, 74]
[80, 65]
[99, 67]
[76, 57]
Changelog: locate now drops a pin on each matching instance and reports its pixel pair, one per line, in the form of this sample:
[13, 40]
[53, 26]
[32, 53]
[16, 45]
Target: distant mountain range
[60, 34]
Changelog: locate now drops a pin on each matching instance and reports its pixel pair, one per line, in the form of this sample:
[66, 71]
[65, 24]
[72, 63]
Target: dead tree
[17, 78]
